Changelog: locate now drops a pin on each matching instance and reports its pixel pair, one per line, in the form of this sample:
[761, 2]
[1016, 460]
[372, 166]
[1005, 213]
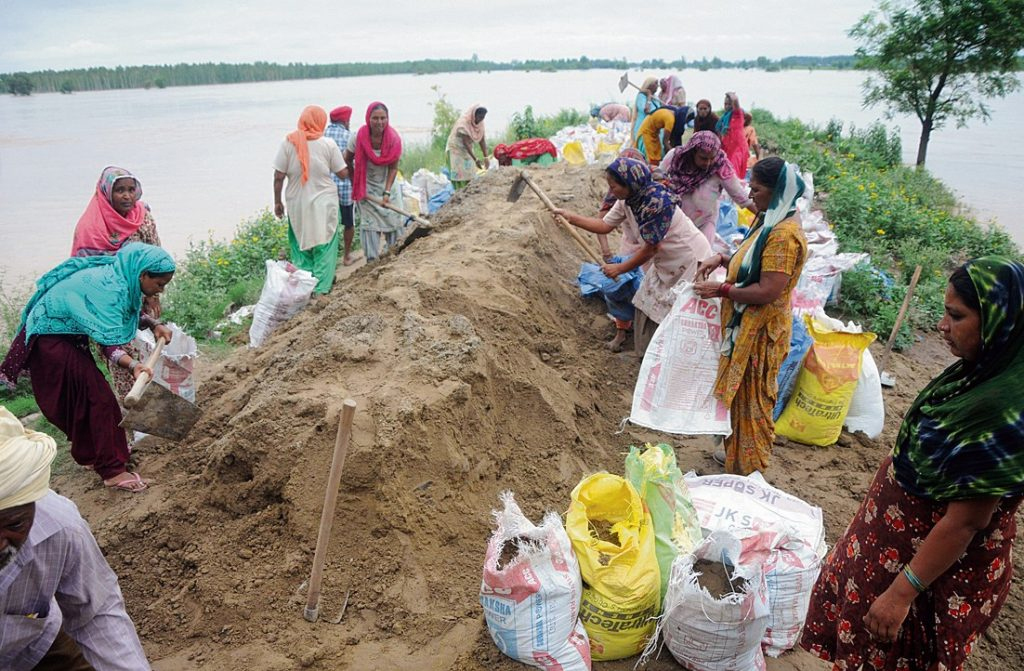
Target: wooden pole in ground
[348, 411]
[899, 319]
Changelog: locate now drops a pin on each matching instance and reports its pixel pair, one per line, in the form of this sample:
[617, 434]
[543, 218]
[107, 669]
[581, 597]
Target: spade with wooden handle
[522, 181]
[153, 409]
[624, 82]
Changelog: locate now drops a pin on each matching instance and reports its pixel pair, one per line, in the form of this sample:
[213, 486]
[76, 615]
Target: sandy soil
[477, 368]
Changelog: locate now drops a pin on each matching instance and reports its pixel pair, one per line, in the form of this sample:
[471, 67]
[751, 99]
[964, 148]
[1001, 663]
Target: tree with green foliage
[940, 59]
[67, 87]
[19, 84]
[445, 116]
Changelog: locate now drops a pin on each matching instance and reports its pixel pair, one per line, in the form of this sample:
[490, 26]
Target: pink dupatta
[100, 229]
[390, 151]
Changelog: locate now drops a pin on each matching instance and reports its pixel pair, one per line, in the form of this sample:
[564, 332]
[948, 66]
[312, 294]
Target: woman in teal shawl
[925, 565]
[97, 298]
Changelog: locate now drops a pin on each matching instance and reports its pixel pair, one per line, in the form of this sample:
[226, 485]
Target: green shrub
[445, 116]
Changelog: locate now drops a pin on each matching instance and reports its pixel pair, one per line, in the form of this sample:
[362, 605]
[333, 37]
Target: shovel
[518, 186]
[887, 379]
[624, 82]
[408, 215]
[156, 410]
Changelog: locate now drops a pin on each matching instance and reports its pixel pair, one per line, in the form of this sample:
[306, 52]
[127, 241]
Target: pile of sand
[477, 368]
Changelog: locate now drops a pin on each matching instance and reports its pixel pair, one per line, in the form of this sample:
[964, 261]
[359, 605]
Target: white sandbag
[818, 278]
[531, 603]
[743, 503]
[867, 409]
[173, 370]
[285, 291]
[673, 392]
[705, 633]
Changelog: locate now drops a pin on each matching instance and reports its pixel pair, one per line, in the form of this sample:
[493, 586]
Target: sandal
[133, 483]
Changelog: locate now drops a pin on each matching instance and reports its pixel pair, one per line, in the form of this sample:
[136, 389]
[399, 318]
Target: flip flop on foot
[129, 482]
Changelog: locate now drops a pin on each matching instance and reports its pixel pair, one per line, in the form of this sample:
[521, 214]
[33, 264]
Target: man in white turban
[60, 605]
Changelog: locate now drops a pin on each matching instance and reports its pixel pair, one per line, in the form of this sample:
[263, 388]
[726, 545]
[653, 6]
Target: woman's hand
[386, 198]
[607, 255]
[162, 331]
[151, 305]
[480, 164]
[708, 266]
[708, 289]
[886, 615]
[140, 369]
[612, 270]
[279, 210]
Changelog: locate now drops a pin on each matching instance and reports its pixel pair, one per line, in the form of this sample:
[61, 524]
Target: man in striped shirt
[60, 604]
[338, 131]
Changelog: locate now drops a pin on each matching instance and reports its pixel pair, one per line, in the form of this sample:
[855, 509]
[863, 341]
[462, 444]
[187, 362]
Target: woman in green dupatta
[97, 298]
[924, 567]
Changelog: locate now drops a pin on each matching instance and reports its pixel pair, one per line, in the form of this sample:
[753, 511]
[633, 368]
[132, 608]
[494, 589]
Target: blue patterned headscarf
[651, 203]
[96, 296]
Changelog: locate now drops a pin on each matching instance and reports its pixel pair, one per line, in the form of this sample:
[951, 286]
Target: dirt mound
[477, 368]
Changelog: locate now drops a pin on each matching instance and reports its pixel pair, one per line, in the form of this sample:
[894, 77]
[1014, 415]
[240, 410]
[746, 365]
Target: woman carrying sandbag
[756, 316]
[924, 567]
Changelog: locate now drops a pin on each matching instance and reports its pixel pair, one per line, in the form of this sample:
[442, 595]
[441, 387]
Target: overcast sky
[61, 34]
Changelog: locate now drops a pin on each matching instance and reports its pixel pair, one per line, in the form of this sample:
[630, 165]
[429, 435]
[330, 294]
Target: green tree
[67, 87]
[940, 59]
[19, 84]
[445, 116]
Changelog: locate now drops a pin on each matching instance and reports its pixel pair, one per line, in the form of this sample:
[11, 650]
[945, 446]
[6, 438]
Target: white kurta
[313, 206]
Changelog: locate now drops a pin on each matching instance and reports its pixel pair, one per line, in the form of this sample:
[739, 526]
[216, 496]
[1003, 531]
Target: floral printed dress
[944, 621]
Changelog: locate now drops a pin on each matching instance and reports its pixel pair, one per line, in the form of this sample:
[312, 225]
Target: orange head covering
[342, 114]
[310, 127]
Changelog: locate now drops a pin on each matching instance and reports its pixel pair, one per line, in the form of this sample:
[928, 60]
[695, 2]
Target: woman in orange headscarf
[308, 159]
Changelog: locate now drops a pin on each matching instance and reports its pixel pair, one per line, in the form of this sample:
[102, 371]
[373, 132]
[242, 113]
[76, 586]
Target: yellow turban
[25, 458]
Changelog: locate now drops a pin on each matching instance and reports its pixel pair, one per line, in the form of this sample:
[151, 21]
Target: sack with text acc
[285, 291]
[531, 591]
[824, 387]
[613, 536]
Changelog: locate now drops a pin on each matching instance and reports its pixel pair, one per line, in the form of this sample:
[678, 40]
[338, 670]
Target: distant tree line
[193, 74]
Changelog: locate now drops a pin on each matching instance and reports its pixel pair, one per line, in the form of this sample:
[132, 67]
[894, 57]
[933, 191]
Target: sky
[64, 34]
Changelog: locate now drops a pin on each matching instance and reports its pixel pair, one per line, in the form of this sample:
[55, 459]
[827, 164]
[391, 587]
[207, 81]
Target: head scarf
[963, 437]
[722, 125]
[468, 126]
[311, 126]
[683, 116]
[788, 188]
[672, 91]
[707, 123]
[341, 114]
[628, 152]
[25, 458]
[95, 296]
[390, 151]
[652, 204]
[649, 83]
[683, 174]
[101, 229]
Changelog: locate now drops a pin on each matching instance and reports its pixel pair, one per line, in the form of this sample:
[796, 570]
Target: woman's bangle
[724, 288]
[132, 365]
[386, 192]
[912, 578]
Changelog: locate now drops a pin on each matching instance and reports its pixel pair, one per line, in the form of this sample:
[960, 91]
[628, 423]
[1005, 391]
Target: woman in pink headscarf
[672, 91]
[308, 160]
[373, 153]
[734, 138]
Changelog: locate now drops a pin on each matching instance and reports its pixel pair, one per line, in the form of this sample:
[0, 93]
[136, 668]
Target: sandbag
[173, 370]
[824, 387]
[867, 407]
[617, 294]
[285, 291]
[659, 482]
[799, 342]
[674, 390]
[531, 591]
[712, 632]
[613, 536]
[748, 503]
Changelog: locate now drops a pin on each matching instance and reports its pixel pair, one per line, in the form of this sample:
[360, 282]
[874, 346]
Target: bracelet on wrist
[387, 193]
[724, 288]
[132, 365]
[912, 578]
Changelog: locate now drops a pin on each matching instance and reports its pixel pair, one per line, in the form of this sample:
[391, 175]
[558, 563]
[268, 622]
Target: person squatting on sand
[756, 317]
[925, 565]
[60, 604]
[671, 246]
[98, 298]
[308, 160]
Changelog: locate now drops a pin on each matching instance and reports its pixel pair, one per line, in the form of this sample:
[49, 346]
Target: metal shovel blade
[517, 189]
[623, 82]
[163, 413]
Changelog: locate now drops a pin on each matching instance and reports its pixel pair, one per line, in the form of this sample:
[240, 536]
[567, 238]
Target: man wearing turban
[60, 605]
[338, 131]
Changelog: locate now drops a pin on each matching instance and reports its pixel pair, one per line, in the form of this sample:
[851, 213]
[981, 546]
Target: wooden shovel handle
[568, 227]
[415, 217]
[133, 396]
[899, 319]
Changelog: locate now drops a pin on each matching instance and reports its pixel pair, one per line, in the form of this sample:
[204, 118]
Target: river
[204, 153]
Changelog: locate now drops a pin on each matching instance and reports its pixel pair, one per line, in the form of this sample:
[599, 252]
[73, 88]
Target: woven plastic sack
[824, 387]
[573, 153]
[531, 603]
[656, 477]
[285, 291]
[174, 368]
[867, 407]
[673, 391]
[612, 534]
[799, 343]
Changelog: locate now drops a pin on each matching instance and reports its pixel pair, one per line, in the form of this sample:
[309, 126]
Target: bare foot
[615, 344]
[129, 482]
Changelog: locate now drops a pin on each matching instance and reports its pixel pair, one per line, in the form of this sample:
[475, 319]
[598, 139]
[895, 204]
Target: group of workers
[915, 580]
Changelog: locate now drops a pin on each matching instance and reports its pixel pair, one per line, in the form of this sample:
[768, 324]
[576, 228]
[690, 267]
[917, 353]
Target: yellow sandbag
[609, 148]
[621, 581]
[572, 152]
[745, 217]
[601, 130]
[824, 386]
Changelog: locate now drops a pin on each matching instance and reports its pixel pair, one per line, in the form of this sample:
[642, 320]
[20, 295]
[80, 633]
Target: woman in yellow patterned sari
[756, 317]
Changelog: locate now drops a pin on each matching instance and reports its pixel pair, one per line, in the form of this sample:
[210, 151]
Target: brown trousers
[63, 655]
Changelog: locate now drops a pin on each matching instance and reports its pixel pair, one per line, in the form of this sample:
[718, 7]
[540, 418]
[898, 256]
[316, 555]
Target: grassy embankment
[900, 215]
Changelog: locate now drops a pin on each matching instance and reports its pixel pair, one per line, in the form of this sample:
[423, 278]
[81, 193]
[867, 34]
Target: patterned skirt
[944, 622]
